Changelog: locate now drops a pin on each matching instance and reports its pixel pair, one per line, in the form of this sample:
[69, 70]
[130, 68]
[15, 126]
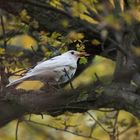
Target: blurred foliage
[103, 67]
[32, 45]
[72, 122]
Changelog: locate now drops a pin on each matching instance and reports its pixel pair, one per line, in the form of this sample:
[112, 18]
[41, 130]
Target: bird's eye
[72, 52]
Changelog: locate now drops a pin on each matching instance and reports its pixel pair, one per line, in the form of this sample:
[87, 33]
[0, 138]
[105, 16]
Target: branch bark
[16, 103]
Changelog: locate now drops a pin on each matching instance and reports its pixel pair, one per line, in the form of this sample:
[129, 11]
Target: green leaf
[55, 35]
[83, 60]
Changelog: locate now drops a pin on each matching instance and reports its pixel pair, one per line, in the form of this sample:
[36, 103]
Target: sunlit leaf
[75, 36]
[55, 35]
[104, 34]
[65, 23]
[135, 13]
[24, 15]
[56, 3]
[127, 17]
[112, 21]
[96, 42]
[80, 47]
[24, 41]
[112, 2]
[2, 51]
[83, 60]
[122, 4]
[88, 19]
[78, 8]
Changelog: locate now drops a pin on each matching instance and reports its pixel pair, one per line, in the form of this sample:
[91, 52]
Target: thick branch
[57, 102]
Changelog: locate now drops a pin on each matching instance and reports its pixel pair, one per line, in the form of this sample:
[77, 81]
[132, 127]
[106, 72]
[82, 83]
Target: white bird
[57, 70]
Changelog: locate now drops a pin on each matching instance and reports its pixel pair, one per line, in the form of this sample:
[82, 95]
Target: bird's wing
[51, 64]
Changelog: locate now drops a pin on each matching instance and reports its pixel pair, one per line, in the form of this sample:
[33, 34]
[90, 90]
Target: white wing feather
[51, 64]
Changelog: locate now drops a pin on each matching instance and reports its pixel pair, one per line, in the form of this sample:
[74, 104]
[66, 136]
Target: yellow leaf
[88, 19]
[135, 14]
[95, 42]
[2, 50]
[80, 47]
[24, 15]
[75, 36]
[122, 4]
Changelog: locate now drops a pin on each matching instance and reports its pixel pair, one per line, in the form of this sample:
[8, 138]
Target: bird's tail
[15, 82]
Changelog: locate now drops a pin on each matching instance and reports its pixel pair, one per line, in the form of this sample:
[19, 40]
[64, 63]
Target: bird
[57, 70]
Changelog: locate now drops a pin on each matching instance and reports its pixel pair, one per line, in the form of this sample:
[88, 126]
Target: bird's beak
[83, 54]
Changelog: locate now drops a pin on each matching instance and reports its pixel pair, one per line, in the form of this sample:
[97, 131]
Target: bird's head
[76, 54]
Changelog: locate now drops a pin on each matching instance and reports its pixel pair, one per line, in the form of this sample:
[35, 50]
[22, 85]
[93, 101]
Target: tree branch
[17, 103]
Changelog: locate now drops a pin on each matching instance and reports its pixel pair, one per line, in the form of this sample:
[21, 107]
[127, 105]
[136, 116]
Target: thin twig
[117, 133]
[115, 122]
[17, 128]
[125, 130]
[30, 115]
[19, 75]
[68, 78]
[91, 131]
[13, 73]
[105, 110]
[97, 122]
[3, 31]
[60, 129]
[11, 34]
[34, 52]
[118, 46]
[98, 79]
[41, 115]
[114, 133]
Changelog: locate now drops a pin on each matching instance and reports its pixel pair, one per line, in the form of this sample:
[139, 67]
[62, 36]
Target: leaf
[99, 90]
[88, 19]
[34, 24]
[75, 36]
[83, 60]
[55, 35]
[122, 4]
[24, 15]
[112, 21]
[96, 42]
[78, 8]
[2, 51]
[80, 47]
[104, 34]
